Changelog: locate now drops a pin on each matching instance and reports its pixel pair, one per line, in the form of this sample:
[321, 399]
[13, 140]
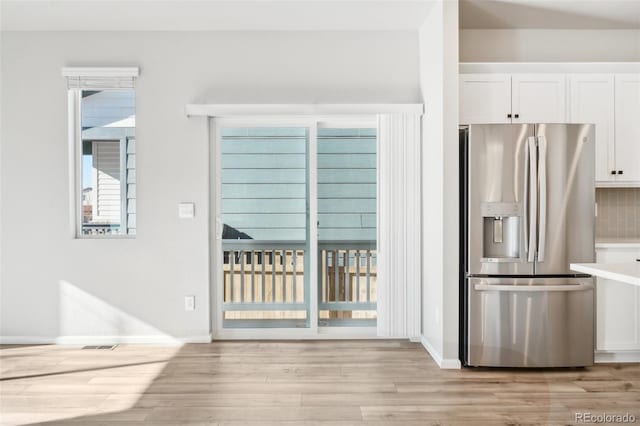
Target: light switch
[189, 303]
[186, 210]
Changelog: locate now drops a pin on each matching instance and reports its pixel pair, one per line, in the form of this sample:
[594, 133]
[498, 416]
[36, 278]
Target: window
[103, 123]
[108, 162]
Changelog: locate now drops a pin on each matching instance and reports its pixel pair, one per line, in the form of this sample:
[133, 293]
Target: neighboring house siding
[347, 184]
[131, 186]
[264, 183]
[106, 169]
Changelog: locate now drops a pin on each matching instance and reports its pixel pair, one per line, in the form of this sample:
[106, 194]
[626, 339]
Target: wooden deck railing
[348, 285]
[266, 280]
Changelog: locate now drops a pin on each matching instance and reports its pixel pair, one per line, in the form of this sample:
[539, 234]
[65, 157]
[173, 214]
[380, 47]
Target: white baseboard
[632, 355]
[103, 340]
[27, 340]
[451, 364]
[444, 363]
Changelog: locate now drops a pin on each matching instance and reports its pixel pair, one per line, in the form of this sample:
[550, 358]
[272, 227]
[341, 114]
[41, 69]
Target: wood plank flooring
[375, 382]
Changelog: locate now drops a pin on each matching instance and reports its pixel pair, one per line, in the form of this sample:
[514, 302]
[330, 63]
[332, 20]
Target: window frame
[80, 79]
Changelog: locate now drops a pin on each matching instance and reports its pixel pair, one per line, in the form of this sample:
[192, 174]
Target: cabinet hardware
[619, 172]
[508, 115]
[613, 172]
[517, 116]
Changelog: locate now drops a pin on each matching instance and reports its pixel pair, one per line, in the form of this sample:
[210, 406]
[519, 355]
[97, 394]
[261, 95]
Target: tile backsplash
[618, 213]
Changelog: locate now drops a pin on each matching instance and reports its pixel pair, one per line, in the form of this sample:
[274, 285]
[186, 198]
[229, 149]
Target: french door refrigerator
[527, 212]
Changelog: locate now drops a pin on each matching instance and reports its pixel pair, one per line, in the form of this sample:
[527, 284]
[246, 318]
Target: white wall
[544, 45]
[135, 287]
[438, 40]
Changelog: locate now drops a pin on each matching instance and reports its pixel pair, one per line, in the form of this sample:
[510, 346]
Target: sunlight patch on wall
[87, 319]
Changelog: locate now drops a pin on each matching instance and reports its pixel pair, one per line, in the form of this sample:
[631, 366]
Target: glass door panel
[347, 226]
[265, 215]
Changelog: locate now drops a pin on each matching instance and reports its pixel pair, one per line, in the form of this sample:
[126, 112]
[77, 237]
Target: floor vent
[108, 347]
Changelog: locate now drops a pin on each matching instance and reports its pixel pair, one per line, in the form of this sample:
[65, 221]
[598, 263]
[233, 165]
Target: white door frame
[215, 237]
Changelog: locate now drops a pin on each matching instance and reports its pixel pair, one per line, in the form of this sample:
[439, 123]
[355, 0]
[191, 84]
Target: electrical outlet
[189, 303]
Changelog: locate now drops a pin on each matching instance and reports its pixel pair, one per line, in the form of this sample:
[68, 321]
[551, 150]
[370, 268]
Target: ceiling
[211, 15]
[550, 14]
[320, 15]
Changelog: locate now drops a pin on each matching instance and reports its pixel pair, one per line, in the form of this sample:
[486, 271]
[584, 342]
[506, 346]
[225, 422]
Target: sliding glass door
[295, 217]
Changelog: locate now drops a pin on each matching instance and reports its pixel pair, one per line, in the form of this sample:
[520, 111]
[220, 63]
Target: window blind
[100, 78]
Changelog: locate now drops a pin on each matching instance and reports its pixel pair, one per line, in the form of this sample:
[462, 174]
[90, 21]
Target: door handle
[525, 199]
[533, 288]
[533, 199]
[542, 195]
[219, 228]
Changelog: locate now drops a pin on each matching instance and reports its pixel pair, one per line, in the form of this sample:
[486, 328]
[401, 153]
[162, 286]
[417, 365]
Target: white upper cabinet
[627, 127]
[512, 98]
[592, 101]
[538, 98]
[485, 98]
[608, 99]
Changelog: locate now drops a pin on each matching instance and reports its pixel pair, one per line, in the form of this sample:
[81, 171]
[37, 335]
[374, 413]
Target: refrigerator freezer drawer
[530, 322]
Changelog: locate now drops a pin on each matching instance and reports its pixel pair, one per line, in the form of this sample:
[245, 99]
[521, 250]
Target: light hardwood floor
[294, 382]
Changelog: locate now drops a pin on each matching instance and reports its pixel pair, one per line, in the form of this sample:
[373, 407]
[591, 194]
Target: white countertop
[617, 242]
[624, 272]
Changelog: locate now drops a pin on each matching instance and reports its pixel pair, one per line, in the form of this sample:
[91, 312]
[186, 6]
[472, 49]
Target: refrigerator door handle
[542, 188]
[533, 199]
[525, 199]
[533, 288]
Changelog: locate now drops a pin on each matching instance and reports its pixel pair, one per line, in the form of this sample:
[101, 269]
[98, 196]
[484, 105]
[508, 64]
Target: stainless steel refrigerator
[527, 212]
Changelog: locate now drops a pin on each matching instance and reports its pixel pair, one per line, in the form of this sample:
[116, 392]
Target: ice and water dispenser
[501, 231]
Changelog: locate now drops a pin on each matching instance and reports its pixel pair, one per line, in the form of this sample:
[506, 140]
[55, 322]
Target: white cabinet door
[485, 98]
[591, 100]
[618, 306]
[538, 98]
[628, 127]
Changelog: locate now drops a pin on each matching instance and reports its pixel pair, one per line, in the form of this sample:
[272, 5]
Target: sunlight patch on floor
[74, 382]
